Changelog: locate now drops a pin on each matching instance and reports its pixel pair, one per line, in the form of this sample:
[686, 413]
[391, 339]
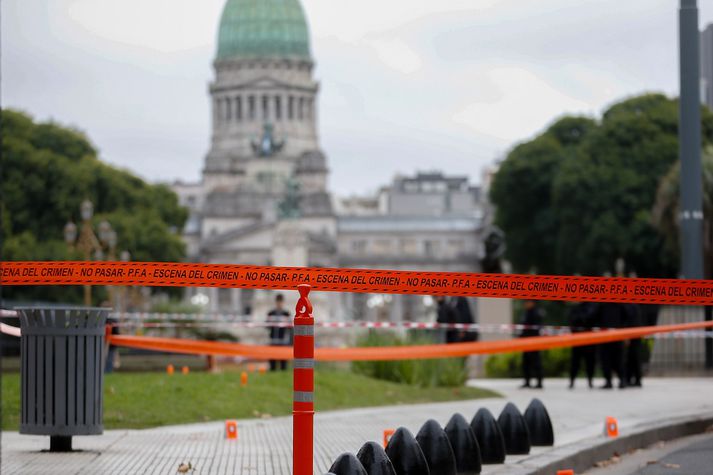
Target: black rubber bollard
[406, 455]
[514, 429]
[375, 460]
[464, 445]
[436, 448]
[539, 424]
[490, 438]
[347, 464]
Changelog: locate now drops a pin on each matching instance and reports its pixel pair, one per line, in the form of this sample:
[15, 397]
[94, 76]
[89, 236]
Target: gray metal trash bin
[62, 374]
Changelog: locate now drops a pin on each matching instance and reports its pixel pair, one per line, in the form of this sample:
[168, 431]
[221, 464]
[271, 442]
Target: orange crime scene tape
[518, 286]
[201, 347]
[536, 287]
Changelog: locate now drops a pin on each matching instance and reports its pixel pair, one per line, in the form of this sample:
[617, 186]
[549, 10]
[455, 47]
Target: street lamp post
[689, 135]
[124, 256]
[87, 242]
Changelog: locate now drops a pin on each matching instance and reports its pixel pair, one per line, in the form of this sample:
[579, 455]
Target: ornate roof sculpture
[289, 206]
[267, 146]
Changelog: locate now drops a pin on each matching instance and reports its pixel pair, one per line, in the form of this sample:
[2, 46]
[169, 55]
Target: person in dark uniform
[447, 315]
[612, 315]
[112, 356]
[465, 316]
[279, 335]
[580, 320]
[455, 310]
[634, 318]
[531, 360]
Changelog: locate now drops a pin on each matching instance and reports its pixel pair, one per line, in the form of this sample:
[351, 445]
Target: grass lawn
[140, 400]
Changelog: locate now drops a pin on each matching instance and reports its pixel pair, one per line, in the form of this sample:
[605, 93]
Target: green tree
[522, 193]
[666, 211]
[575, 202]
[47, 170]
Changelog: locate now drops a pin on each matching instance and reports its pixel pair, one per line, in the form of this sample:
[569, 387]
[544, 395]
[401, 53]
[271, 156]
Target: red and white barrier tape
[10, 330]
[489, 329]
[137, 320]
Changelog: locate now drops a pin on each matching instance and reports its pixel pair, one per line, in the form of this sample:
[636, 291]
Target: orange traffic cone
[568, 471]
[611, 427]
[231, 429]
[185, 370]
[387, 436]
[243, 378]
[169, 369]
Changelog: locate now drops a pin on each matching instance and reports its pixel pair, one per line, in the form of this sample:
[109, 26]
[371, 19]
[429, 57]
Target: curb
[581, 456]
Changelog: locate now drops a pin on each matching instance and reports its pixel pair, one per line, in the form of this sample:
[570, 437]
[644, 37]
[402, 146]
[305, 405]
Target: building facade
[263, 198]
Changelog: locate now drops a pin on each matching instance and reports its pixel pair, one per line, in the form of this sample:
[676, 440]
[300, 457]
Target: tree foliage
[522, 192]
[47, 171]
[580, 195]
[666, 210]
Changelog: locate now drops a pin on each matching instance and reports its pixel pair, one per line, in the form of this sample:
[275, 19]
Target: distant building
[433, 194]
[263, 197]
[707, 66]
[429, 221]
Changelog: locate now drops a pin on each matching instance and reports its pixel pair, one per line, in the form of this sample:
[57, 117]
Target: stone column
[236, 301]
[213, 299]
[239, 115]
[216, 111]
[396, 314]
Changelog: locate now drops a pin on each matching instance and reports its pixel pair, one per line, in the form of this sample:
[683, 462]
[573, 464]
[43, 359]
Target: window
[225, 300]
[408, 246]
[247, 296]
[228, 109]
[359, 246]
[238, 108]
[251, 107]
[278, 108]
[266, 178]
[291, 108]
[431, 248]
[457, 246]
[265, 107]
[382, 246]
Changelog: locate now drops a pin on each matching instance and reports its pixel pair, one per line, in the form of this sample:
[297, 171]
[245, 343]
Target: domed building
[263, 198]
[263, 96]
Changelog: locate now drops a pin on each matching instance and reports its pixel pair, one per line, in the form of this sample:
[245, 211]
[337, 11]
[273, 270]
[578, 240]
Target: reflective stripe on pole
[303, 386]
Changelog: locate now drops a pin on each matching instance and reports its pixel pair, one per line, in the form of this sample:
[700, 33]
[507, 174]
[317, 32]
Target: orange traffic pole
[303, 386]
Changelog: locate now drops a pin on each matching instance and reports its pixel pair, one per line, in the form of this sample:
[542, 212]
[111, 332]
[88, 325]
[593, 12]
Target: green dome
[263, 29]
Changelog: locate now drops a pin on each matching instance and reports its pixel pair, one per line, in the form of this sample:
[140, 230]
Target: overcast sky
[406, 84]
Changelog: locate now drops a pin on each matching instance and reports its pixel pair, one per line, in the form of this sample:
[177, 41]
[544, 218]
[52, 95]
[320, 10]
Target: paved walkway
[264, 446]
